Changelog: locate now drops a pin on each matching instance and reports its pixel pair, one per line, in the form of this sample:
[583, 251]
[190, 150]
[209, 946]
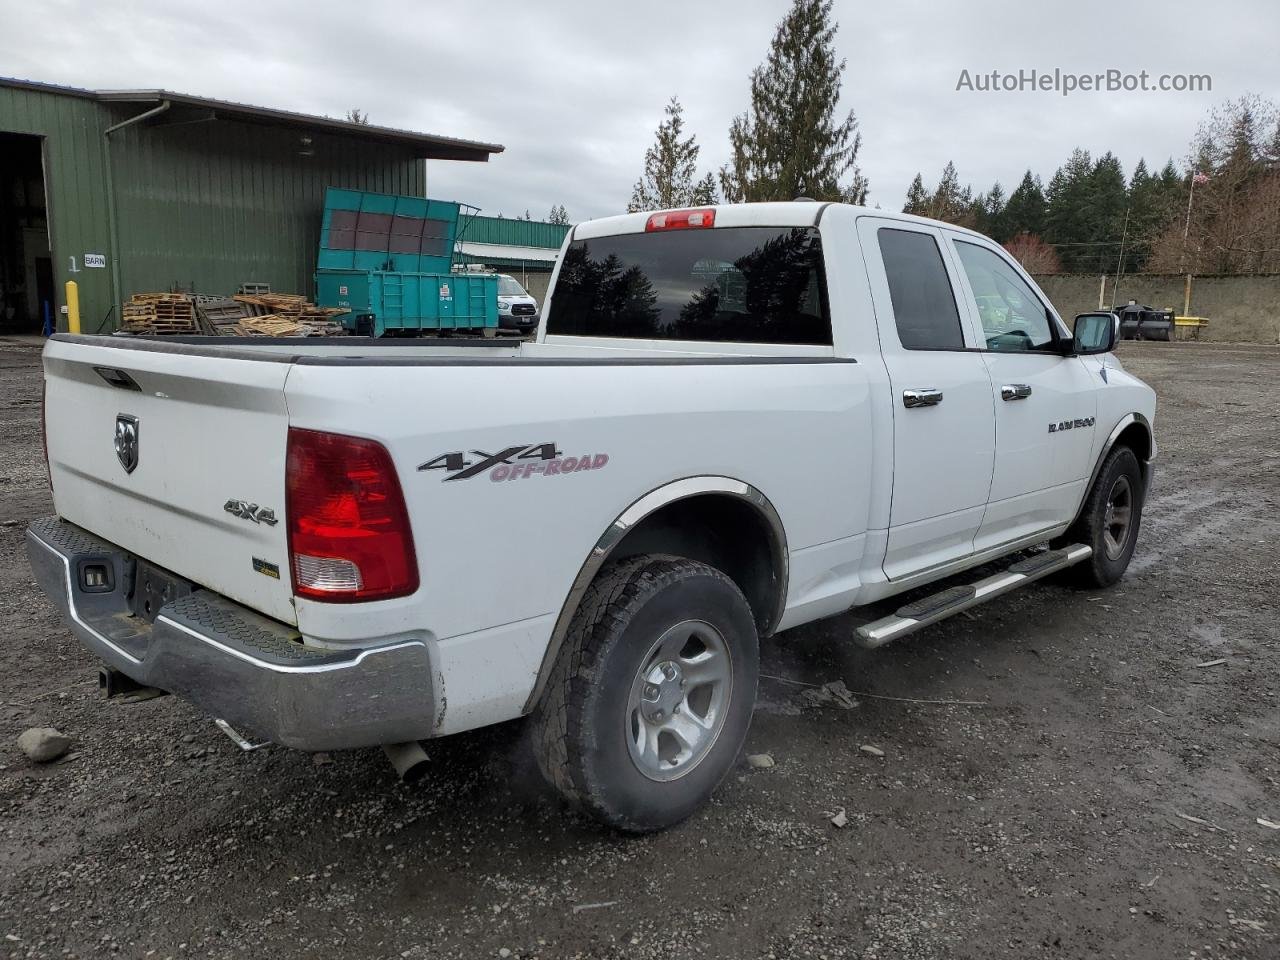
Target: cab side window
[1013, 317]
[924, 305]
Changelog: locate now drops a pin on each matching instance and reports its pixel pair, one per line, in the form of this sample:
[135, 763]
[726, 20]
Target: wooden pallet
[219, 315]
[271, 325]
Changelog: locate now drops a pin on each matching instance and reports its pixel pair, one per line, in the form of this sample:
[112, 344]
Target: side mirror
[1095, 333]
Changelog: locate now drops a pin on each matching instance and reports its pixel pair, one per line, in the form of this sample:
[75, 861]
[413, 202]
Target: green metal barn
[134, 191]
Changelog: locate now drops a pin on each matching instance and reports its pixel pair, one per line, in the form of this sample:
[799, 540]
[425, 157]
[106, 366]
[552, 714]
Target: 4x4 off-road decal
[514, 463]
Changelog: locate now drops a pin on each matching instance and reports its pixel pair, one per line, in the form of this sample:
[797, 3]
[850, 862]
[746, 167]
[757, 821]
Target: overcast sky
[575, 90]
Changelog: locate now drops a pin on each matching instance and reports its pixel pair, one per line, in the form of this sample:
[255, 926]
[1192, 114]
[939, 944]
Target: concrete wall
[1238, 308]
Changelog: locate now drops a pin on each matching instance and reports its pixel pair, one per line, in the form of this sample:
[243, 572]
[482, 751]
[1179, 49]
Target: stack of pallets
[160, 313]
[244, 315]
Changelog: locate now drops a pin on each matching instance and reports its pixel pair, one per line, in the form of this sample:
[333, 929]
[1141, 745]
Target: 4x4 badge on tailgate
[250, 511]
[127, 441]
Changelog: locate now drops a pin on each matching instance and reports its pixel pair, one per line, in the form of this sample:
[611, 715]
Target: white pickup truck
[732, 421]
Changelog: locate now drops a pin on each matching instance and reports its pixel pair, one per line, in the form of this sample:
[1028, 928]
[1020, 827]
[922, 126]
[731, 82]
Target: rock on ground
[43, 744]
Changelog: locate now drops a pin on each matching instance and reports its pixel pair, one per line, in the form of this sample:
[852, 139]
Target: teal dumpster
[383, 302]
[387, 260]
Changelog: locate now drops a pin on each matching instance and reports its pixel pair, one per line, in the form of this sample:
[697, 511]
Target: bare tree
[1034, 254]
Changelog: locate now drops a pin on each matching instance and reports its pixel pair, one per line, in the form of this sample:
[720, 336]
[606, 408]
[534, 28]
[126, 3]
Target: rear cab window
[924, 305]
[724, 284]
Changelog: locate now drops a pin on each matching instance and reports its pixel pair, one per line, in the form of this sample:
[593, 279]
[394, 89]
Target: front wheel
[651, 696]
[1109, 521]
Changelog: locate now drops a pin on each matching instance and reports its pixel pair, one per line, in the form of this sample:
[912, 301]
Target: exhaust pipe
[409, 759]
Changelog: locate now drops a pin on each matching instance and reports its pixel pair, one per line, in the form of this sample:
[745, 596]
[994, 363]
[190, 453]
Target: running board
[941, 605]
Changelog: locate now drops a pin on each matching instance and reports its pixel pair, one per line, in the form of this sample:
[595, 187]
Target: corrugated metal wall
[218, 203]
[212, 203]
[519, 233]
[74, 186]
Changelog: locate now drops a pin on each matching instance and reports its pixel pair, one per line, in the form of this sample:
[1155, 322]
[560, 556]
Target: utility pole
[1124, 235]
[1196, 177]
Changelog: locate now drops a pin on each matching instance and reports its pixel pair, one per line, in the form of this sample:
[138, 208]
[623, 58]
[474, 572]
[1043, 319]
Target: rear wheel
[650, 699]
[1109, 521]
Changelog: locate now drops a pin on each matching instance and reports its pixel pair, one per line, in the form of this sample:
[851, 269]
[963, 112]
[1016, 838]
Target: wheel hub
[1116, 517]
[679, 700]
[663, 691]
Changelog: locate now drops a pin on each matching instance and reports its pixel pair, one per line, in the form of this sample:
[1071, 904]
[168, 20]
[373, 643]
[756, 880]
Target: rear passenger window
[924, 305]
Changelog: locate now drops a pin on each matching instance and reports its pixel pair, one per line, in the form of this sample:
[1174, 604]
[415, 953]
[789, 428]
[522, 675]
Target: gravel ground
[1063, 774]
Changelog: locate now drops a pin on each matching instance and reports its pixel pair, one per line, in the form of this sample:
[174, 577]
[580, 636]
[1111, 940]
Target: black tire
[585, 727]
[1120, 472]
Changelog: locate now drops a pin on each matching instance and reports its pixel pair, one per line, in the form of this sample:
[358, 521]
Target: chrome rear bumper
[231, 662]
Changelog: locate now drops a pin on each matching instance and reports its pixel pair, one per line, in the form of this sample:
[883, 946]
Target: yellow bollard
[73, 307]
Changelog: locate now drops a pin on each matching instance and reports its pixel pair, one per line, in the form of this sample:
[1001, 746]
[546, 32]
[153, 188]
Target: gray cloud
[575, 90]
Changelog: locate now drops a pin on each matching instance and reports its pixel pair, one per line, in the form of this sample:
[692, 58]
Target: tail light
[680, 220]
[349, 536]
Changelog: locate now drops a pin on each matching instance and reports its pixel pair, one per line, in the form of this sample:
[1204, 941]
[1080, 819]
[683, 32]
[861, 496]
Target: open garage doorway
[26, 261]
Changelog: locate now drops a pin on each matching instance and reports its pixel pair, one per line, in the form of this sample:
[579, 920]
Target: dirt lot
[1094, 792]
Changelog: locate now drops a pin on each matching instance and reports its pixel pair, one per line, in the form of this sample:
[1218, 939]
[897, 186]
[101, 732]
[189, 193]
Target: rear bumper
[507, 322]
[249, 670]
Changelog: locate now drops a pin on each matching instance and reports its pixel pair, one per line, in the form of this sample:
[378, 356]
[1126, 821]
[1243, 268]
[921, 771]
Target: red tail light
[349, 536]
[680, 220]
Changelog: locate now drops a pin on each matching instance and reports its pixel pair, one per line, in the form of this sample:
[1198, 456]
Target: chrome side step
[951, 601]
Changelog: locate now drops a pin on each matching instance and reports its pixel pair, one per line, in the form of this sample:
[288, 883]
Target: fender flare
[646, 505]
[1128, 420]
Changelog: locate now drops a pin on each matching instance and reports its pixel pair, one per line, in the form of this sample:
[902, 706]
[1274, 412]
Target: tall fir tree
[670, 166]
[951, 202]
[789, 142]
[988, 213]
[1106, 202]
[1066, 219]
[917, 198]
[1024, 213]
[558, 215]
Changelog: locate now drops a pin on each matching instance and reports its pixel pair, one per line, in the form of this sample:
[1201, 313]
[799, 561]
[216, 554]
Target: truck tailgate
[210, 435]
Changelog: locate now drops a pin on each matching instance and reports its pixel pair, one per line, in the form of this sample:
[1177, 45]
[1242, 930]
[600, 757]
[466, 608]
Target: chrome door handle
[1015, 391]
[921, 397]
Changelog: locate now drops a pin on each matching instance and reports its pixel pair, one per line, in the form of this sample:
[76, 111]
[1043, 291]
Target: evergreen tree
[951, 202]
[988, 213]
[704, 192]
[669, 169]
[1152, 205]
[1066, 219]
[558, 215]
[1024, 213]
[1106, 200]
[917, 198]
[789, 143]
[1141, 198]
